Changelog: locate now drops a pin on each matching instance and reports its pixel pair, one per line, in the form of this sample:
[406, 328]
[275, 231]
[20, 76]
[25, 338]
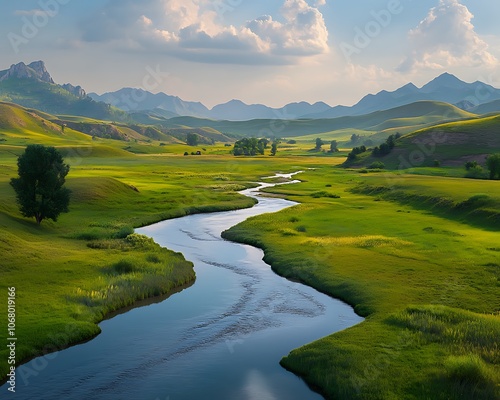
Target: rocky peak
[75, 90]
[35, 70]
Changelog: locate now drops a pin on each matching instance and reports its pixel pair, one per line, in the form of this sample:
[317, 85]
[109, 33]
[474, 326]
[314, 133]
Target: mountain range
[445, 88]
[33, 87]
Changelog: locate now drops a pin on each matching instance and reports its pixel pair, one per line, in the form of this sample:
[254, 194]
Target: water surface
[221, 338]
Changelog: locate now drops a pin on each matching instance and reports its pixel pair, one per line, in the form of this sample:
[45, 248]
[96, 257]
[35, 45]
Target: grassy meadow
[416, 254]
[71, 274]
[427, 281]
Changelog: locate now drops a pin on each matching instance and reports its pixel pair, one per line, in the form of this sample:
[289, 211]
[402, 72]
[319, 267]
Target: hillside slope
[450, 144]
[410, 117]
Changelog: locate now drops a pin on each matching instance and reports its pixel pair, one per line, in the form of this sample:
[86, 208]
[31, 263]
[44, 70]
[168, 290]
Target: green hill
[53, 99]
[406, 118]
[451, 145]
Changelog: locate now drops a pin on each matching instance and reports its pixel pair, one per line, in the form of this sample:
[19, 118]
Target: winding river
[221, 338]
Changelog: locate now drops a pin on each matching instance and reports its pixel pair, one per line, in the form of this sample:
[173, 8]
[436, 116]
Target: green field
[428, 283]
[417, 255]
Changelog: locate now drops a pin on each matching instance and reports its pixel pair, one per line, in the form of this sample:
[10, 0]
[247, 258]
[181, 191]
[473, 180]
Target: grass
[72, 273]
[451, 144]
[427, 282]
[417, 255]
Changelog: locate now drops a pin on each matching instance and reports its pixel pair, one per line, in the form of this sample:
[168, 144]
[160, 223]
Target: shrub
[137, 240]
[301, 228]
[294, 219]
[124, 267]
[124, 232]
[476, 172]
[318, 195]
[153, 258]
[377, 165]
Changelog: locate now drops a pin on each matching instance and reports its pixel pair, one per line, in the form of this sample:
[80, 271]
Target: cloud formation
[446, 37]
[193, 29]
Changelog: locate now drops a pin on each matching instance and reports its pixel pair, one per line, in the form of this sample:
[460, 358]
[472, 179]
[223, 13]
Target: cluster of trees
[386, 148]
[474, 170]
[354, 153]
[254, 147]
[333, 145]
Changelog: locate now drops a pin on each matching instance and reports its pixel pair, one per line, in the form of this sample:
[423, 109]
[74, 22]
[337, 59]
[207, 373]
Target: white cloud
[446, 38]
[192, 29]
[303, 33]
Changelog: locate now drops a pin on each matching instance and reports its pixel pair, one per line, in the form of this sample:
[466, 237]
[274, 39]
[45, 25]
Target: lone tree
[493, 164]
[39, 188]
[274, 147]
[319, 143]
[334, 146]
[192, 139]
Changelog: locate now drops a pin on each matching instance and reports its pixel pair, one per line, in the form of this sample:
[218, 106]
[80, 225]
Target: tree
[334, 147]
[40, 191]
[493, 164]
[262, 145]
[470, 165]
[319, 143]
[274, 147]
[192, 139]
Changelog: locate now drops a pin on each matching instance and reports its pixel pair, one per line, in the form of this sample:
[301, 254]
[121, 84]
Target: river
[221, 338]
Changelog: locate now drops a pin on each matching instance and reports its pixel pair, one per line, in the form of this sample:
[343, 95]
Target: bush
[294, 219]
[137, 240]
[476, 172]
[124, 232]
[318, 195]
[124, 267]
[153, 258]
[377, 165]
[301, 228]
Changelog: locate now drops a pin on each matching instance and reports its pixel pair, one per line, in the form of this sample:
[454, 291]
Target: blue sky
[272, 52]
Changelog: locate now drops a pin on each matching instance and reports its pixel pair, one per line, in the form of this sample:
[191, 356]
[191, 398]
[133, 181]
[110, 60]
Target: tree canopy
[40, 191]
[493, 164]
[250, 147]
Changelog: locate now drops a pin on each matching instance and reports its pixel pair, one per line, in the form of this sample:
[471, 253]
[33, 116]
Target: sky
[271, 52]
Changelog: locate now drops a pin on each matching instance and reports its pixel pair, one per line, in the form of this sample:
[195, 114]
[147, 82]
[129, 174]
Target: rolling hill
[450, 144]
[405, 118]
[20, 126]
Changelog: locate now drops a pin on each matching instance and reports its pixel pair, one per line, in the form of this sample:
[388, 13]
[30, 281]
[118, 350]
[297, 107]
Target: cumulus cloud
[446, 37]
[192, 29]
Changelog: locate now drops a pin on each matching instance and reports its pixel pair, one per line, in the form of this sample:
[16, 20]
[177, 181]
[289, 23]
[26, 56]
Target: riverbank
[71, 274]
[428, 287]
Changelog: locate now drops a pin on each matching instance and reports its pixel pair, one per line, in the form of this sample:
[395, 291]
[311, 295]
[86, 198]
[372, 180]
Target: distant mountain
[32, 86]
[487, 108]
[138, 100]
[404, 118]
[135, 100]
[446, 88]
[36, 70]
[236, 110]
